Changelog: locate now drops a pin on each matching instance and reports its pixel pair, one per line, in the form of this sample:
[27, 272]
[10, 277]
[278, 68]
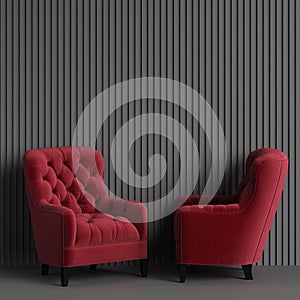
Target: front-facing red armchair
[232, 229]
[75, 222]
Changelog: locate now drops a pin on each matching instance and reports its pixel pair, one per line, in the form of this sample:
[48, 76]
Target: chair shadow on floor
[112, 274]
[201, 273]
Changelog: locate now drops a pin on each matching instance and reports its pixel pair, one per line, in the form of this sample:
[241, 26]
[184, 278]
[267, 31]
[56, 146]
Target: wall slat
[242, 56]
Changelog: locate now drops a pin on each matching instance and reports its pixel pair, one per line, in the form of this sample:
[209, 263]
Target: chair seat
[99, 228]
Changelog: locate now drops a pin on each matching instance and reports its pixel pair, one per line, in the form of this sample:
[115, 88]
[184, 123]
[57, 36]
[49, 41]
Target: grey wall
[242, 56]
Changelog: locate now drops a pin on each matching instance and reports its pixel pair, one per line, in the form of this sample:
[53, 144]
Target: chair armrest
[203, 236]
[54, 229]
[224, 199]
[60, 218]
[217, 199]
[196, 219]
[132, 210]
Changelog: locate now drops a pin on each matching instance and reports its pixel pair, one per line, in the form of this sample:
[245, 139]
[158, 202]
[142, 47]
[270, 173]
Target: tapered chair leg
[93, 267]
[144, 267]
[182, 273]
[45, 269]
[64, 276]
[248, 272]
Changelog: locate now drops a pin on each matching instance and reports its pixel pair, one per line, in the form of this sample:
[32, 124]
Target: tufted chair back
[263, 165]
[67, 176]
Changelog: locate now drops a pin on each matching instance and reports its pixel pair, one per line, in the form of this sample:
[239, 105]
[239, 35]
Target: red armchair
[64, 186]
[233, 229]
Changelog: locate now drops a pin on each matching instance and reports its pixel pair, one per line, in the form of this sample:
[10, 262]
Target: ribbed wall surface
[242, 56]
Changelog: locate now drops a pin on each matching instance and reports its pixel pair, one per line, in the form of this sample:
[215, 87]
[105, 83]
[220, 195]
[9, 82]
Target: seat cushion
[98, 229]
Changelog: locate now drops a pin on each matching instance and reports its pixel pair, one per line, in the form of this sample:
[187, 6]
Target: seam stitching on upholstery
[101, 235]
[63, 239]
[91, 233]
[180, 236]
[279, 177]
[109, 244]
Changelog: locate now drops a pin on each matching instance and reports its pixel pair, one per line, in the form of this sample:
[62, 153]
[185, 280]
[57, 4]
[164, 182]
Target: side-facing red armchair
[66, 191]
[233, 229]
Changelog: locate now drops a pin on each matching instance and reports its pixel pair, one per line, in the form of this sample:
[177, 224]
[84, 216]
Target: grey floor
[111, 283]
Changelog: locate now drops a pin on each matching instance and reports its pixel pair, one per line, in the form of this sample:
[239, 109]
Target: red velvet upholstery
[64, 186]
[233, 229]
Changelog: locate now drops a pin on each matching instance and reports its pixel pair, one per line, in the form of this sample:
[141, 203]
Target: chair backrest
[259, 194]
[267, 168]
[67, 176]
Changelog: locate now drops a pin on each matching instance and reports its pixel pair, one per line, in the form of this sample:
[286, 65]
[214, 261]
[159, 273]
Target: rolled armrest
[194, 220]
[198, 218]
[54, 229]
[224, 199]
[53, 215]
[134, 211]
[196, 199]
[214, 234]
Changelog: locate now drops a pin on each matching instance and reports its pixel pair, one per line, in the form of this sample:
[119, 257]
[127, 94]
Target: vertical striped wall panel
[242, 56]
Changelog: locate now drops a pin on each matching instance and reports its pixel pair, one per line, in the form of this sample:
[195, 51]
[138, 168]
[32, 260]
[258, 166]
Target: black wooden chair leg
[93, 267]
[248, 272]
[182, 273]
[64, 276]
[144, 267]
[45, 269]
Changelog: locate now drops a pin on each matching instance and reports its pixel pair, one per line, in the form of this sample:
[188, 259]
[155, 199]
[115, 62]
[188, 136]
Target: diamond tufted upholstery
[75, 222]
[233, 229]
[60, 176]
[97, 229]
